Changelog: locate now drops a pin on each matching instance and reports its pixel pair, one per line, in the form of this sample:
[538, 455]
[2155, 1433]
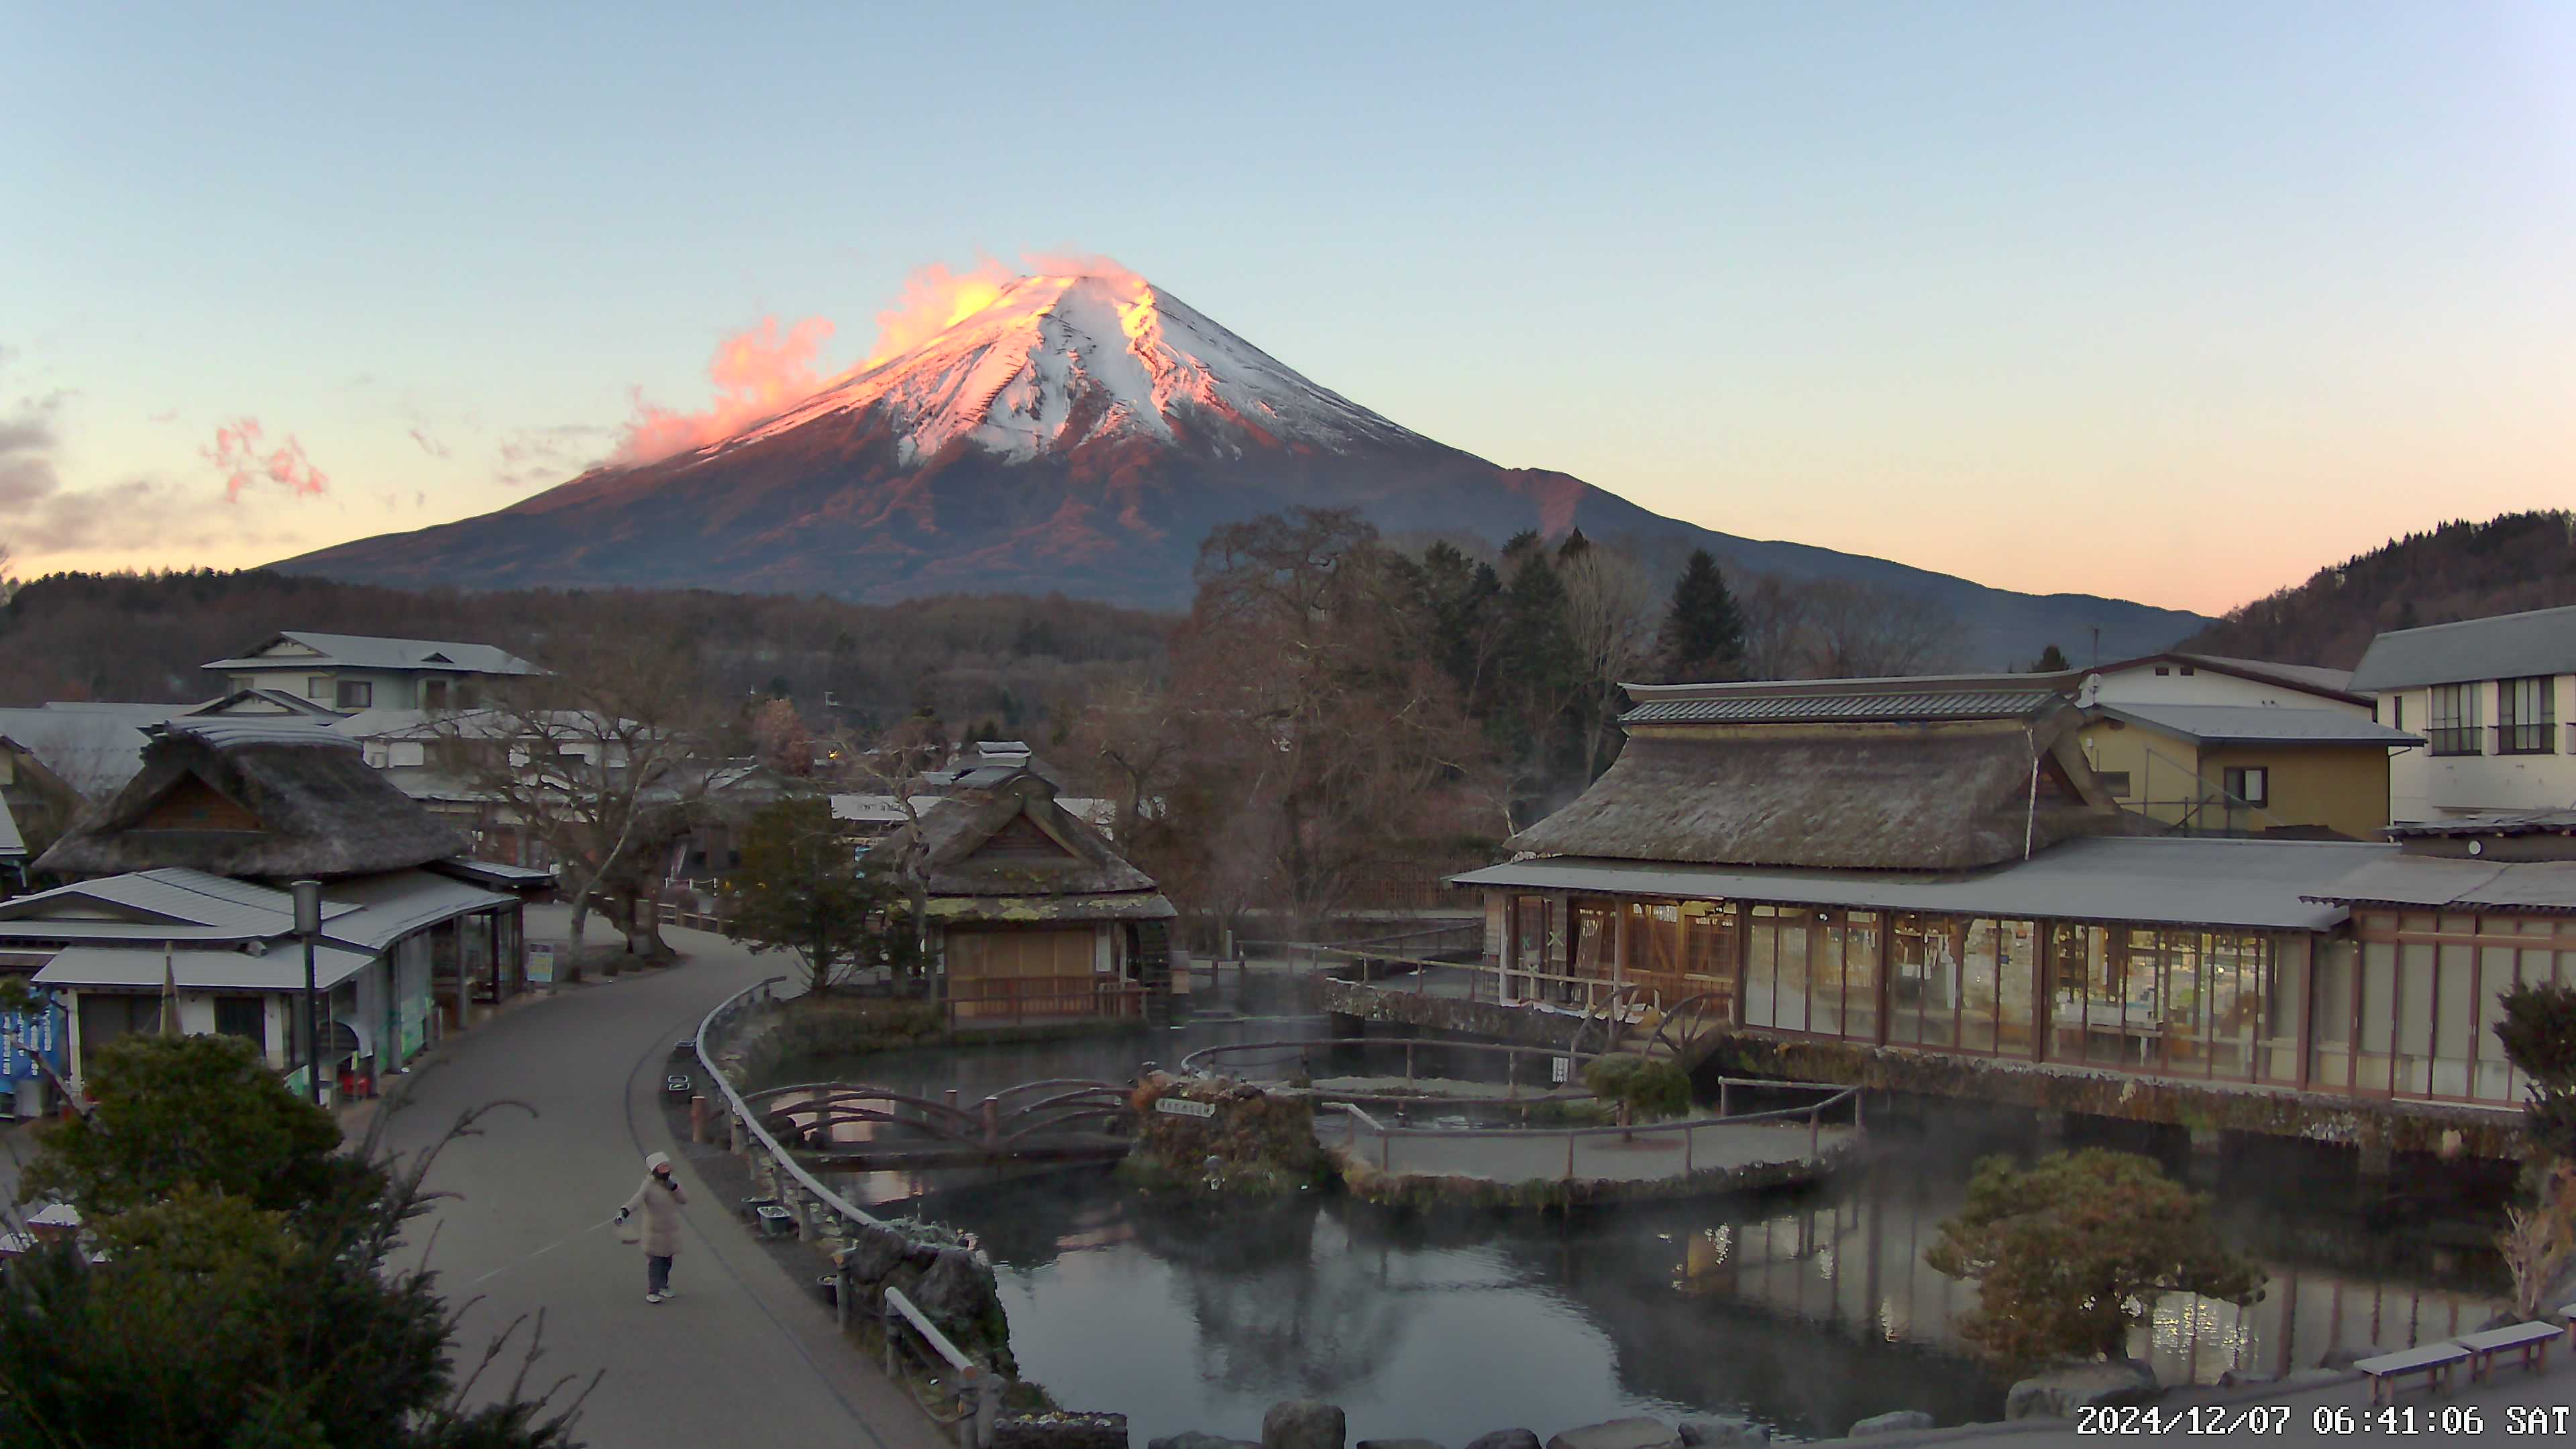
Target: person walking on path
[659, 1199]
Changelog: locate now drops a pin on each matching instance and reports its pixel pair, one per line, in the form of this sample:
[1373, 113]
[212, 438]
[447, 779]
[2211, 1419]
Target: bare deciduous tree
[1858, 631]
[602, 760]
[1609, 604]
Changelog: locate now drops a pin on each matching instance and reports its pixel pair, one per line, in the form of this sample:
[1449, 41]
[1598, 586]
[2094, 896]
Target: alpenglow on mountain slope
[1083, 433]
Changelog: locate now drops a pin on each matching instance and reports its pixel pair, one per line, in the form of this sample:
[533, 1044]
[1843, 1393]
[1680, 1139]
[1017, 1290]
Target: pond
[1804, 1310]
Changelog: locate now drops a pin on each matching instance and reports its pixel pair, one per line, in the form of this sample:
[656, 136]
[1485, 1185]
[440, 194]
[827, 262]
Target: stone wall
[2377, 1127]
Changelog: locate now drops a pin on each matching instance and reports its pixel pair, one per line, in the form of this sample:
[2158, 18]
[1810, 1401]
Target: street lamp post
[308, 924]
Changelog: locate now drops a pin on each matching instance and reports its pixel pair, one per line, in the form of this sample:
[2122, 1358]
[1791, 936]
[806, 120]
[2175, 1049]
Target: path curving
[745, 1353]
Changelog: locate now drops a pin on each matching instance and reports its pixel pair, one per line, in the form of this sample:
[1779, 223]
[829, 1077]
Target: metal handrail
[749, 1121]
[1195, 1062]
[1679, 1124]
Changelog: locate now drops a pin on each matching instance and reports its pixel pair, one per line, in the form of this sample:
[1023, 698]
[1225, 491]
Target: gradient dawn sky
[2175, 302]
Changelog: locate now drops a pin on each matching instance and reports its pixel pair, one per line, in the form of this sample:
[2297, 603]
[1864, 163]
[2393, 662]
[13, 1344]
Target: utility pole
[308, 924]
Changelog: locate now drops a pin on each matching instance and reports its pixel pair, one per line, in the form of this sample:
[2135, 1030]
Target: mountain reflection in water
[1803, 1310]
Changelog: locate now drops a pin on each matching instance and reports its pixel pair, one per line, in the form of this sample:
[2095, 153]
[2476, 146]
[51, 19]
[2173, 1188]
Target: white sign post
[1560, 1069]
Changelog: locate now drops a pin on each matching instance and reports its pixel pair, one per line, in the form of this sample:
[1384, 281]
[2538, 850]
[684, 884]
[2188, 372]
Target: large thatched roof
[1004, 849]
[1942, 796]
[238, 799]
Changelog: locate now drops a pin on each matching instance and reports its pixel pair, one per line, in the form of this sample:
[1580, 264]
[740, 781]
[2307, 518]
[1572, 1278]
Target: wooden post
[1811, 1131]
[1721, 1097]
[698, 1117]
[1569, 1155]
[992, 1124]
[1618, 947]
[1688, 1137]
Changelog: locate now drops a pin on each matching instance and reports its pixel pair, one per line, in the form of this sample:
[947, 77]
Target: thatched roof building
[1002, 849]
[1896, 775]
[254, 800]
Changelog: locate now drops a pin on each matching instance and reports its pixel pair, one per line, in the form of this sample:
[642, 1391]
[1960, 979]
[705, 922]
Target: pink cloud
[241, 453]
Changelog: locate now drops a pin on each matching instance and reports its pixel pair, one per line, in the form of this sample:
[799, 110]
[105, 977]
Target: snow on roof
[367, 651]
[95, 747]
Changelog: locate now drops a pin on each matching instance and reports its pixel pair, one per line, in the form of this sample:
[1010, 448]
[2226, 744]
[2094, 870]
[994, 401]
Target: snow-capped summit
[1057, 361]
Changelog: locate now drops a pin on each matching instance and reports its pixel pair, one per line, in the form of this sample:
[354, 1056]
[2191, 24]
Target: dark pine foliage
[1702, 638]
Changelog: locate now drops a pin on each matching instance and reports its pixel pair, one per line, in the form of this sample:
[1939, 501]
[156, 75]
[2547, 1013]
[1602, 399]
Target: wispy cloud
[27, 442]
[242, 454]
[432, 446]
[532, 456]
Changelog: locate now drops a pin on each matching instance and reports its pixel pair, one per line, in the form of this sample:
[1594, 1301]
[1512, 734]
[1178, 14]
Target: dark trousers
[657, 1272]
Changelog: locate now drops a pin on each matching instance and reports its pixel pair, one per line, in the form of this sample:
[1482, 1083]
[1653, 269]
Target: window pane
[1978, 986]
[2497, 968]
[2455, 1023]
[1762, 949]
[1825, 976]
[1794, 931]
[2415, 964]
[1860, 975]
[2015, 960]
[1905, 983]
[2186, 1005]
[2332, 1064]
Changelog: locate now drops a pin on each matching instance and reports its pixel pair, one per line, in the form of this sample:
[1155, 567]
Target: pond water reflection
[1804, 1310]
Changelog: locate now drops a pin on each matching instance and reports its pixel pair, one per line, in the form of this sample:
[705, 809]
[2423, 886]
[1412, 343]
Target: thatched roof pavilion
[1002, 849]
[1893, 775]
[254, 800]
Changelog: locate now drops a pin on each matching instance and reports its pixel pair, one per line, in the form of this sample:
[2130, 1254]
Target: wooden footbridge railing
[1056, 1119]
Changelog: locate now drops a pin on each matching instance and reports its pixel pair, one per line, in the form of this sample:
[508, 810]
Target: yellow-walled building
[2215, 746]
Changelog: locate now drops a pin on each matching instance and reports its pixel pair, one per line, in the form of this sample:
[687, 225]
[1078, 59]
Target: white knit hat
[656, 1160]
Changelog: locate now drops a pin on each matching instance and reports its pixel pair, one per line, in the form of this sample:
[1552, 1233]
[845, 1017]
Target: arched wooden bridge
[856, 1127]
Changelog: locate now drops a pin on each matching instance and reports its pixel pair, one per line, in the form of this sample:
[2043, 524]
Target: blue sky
[2174, 302]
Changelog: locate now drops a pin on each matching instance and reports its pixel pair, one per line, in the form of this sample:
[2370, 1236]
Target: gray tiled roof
[1804, 708]
[2507, 646]
[2531, 885]
[2494, 822]
[365, 651]
[2236, 723]
[2263, 884]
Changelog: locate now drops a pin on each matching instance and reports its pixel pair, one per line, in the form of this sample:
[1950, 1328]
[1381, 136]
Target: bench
[2532, 1338]
[2434, 1362]
[2567, 1311]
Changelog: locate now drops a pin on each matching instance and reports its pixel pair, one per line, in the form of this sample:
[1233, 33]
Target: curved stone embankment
[1363, 1180]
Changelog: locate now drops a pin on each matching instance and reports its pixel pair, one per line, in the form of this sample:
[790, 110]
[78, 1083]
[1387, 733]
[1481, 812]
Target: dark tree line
[2460, 570]
[1004, 659]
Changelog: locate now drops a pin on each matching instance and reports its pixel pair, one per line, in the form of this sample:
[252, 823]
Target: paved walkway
[745, 1354]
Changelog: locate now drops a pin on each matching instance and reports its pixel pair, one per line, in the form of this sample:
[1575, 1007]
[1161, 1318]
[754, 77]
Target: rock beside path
[2063, 1392]
[1505, 1439]
[1304, 1424]
[1639, 1433]
[1723, 1433]
[1902, 1421]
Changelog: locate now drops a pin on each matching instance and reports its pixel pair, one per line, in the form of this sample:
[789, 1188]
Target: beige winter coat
[660, 1207]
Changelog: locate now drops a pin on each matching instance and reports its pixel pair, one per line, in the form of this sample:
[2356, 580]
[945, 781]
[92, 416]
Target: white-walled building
[2495, 698]
[349, 672]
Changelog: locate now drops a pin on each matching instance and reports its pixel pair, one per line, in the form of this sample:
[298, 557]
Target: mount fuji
[1082, 433]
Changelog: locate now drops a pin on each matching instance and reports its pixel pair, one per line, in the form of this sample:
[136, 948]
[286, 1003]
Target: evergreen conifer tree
[1702, 638]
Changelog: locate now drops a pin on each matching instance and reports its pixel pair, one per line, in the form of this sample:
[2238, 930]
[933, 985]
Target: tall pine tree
[1702, 638]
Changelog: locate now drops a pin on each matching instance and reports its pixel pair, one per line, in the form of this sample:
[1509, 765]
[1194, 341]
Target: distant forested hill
[999, 658]
[2461, 570]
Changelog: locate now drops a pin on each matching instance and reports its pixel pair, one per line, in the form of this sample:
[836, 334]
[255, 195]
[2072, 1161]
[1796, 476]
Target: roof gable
[1010, 837]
